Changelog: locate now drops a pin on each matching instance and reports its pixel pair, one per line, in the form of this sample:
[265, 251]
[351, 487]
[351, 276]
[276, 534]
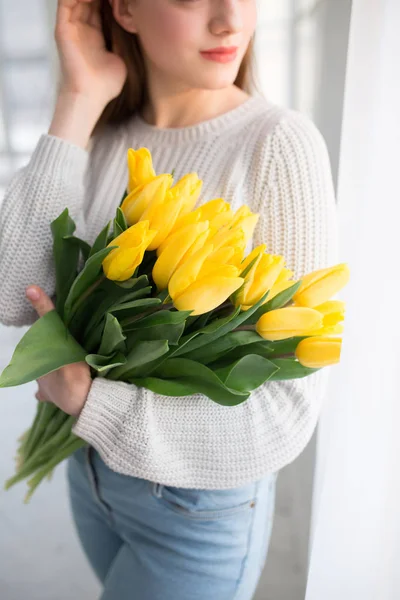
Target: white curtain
[355, 535]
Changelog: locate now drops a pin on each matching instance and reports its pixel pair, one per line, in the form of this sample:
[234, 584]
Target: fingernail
[32, 293]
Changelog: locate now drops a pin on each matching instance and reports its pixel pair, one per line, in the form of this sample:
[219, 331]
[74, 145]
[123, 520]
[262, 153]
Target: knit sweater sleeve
[191, 441]
[52, 180]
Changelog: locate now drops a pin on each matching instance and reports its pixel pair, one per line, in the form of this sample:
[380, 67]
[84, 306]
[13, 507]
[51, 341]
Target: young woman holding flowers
[174, 496]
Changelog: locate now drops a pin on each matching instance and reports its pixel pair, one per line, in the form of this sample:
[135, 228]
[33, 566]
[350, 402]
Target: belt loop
[157, 489]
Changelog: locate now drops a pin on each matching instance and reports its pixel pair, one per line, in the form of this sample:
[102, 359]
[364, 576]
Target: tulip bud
[217, 212]
[245, 220]
[318, 352]
[121, 262]
[202, 283]
[140, 167]
[188, 188]
[284, 323]
[260, 278]
[319, 286]
[139, 200]
[177, 250]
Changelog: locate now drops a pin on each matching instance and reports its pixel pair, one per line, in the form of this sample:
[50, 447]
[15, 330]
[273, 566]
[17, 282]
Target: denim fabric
[148, 541]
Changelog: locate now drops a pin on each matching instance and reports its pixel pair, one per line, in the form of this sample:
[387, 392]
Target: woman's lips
[220, 56]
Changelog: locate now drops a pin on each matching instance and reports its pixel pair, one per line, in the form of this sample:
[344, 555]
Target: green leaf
[112, 294]
[91, 273]
[163, 295]
[171, 333]
[161, 325]
[260, 348]
[290, 368]
[166, 387]
[125, 194]
[216, 329]
[277, 301]
[242, 274]
[83, 246]
[287, 346]
[117, 229]
[200, 379]
[209, 330]
[248, 373]
[66, 257]
[103, 364]
[129, 310]
[130, 283]
[120, 218]
[222, 345]
[161, 317]
[113, 339]
[45, 347]
[101, 240]
[142, 354]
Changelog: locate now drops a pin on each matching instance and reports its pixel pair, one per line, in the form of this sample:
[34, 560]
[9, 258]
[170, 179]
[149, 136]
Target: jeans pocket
[95, 484]
[200, 504]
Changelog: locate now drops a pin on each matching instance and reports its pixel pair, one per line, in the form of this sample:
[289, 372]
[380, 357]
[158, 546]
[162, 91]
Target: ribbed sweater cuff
[106, 407]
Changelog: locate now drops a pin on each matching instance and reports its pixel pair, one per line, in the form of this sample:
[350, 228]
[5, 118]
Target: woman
[174, 496]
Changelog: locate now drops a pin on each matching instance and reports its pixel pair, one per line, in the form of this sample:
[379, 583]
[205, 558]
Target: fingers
[39, 397]
[41, 302]
[67, 8]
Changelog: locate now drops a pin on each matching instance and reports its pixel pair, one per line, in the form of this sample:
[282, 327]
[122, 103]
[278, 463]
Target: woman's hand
[69, 386]
[88, 69]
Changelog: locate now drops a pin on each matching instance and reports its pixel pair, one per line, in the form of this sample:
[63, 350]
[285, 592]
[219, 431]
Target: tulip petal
[319, 286]
[283, 323]
[175, 251]
[187, 272]
[266, 274]
[135, 204]
[318, 352]
[207, 293]
[140, 167]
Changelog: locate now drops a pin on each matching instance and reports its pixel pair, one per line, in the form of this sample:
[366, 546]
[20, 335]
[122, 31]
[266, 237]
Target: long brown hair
[134, 93]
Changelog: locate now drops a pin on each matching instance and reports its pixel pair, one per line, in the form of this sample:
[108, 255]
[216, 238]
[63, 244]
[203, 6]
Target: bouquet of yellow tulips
[166, 299]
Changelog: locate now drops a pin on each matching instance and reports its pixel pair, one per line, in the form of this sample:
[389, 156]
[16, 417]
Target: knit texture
[273, 159]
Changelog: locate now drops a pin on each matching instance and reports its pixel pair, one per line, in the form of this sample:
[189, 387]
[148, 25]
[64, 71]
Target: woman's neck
[191, 108]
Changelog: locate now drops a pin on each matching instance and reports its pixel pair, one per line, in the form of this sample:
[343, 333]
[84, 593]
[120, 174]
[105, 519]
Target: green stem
[64, 452]
[47, 410]
[28, 440]
[42, 454]
[245, 328]
[83, 297]
[57, 421]
[129, 320]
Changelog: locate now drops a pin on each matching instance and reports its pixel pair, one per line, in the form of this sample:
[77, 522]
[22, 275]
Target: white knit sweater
[271, 158]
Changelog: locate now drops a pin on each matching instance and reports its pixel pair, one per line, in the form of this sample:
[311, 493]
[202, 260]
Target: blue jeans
[147, 541]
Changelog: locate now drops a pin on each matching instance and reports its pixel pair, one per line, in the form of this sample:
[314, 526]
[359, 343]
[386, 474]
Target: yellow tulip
[121, 262]
[246, 220]
[291, 321]
[136, 203]
[333, 308]
[167, 206]
[229, 237]
[282, 283]
[180, 246]
[202, 283]
[319, 286]
[318, 352]
[332, 313]
[216, 211]
[261, 277]
[140, 168]
[187, 187]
